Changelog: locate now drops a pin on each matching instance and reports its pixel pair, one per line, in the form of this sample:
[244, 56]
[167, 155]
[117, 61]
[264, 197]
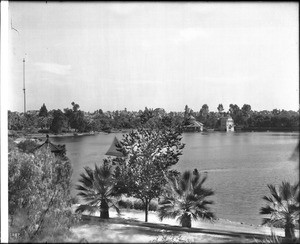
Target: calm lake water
[239, 165]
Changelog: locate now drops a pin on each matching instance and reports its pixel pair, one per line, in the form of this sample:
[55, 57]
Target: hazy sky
[133, 55]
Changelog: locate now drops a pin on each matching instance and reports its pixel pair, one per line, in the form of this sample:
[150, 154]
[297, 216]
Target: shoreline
[220, 227]
[40, 136]
[219, 224]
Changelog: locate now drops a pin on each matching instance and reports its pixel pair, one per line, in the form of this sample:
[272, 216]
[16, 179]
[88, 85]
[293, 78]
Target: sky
[112, 56]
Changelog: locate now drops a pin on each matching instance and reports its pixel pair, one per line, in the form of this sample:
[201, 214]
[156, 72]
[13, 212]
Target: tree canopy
[149, 154]
[39, 194]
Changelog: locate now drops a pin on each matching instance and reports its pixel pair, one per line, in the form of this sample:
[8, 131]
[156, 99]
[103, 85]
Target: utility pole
[24, 85]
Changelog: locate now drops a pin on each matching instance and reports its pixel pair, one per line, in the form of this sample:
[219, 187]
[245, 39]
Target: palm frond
[268, 199]
[274, 193]
[266, 210]
[266, 221]
[285, 190]
[168, 214]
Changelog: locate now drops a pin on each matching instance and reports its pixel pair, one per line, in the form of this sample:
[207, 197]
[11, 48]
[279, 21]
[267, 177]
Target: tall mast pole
[24, 85]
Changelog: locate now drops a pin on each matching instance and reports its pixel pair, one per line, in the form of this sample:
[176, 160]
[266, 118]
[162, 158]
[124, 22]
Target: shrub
[153, 206]
[125, 204]
[39, 195]
[138, 205]
[43, 131]
[27, 146]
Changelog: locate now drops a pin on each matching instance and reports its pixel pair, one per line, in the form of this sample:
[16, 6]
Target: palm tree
[97, 189]
[283, 208]
[185, 198]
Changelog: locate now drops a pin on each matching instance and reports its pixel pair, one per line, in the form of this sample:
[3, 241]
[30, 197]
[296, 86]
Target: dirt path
[130, 227]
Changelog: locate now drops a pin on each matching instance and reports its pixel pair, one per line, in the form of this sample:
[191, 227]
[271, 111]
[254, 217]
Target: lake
[239, 165]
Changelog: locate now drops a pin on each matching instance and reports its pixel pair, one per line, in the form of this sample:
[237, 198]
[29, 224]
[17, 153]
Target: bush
[153, 206]
[39, 195]
[27, 146]
[138, 205]
[44, 131]
[125, 204]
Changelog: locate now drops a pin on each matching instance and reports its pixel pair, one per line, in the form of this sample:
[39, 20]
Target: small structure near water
[193, 125]
[227, 124]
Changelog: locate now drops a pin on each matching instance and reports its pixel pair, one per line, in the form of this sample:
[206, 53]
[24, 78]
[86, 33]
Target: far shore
[78, 134]
[69, 134]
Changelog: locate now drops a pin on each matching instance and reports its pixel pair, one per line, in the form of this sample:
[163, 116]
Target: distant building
[227, 124]
[193, 125]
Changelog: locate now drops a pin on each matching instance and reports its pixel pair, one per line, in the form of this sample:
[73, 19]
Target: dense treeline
[75, 120]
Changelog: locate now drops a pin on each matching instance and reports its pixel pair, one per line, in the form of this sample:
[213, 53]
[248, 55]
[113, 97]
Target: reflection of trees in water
[295, 154]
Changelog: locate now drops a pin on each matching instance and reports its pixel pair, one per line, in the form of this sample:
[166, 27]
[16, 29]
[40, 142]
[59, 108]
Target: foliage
[170, 238]
[39, 194]
[282, 208]
[97, 190]
[157, 118]
[136, 204]
[125, 204]
[58, 121]
[220, 108]
[186, 199]
[43, 111]
[276, 239]
[203, 114]
[149, 156]
[27, 146]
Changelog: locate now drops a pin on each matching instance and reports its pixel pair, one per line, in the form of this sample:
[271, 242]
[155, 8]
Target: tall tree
[43, 111]
[75, 106]
[149, 154]
[58, 121]
[220, 108]
[186, 111]
[204, 114]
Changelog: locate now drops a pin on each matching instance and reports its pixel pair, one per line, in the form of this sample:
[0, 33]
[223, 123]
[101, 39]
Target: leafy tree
[43, 111]
[58, 121]
[75, 107]
[185, 198]
[220, 108]
[282, 208]
[146, 115]
[203, 114]
[246, 109]
[149, 154]
[69, 114]
[97, 189]
[39, 194]
[186, 112]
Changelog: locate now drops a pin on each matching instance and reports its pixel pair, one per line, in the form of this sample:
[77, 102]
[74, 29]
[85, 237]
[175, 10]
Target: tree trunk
[104, 214]
[186, 220]
[146, 209]
[289, 231]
